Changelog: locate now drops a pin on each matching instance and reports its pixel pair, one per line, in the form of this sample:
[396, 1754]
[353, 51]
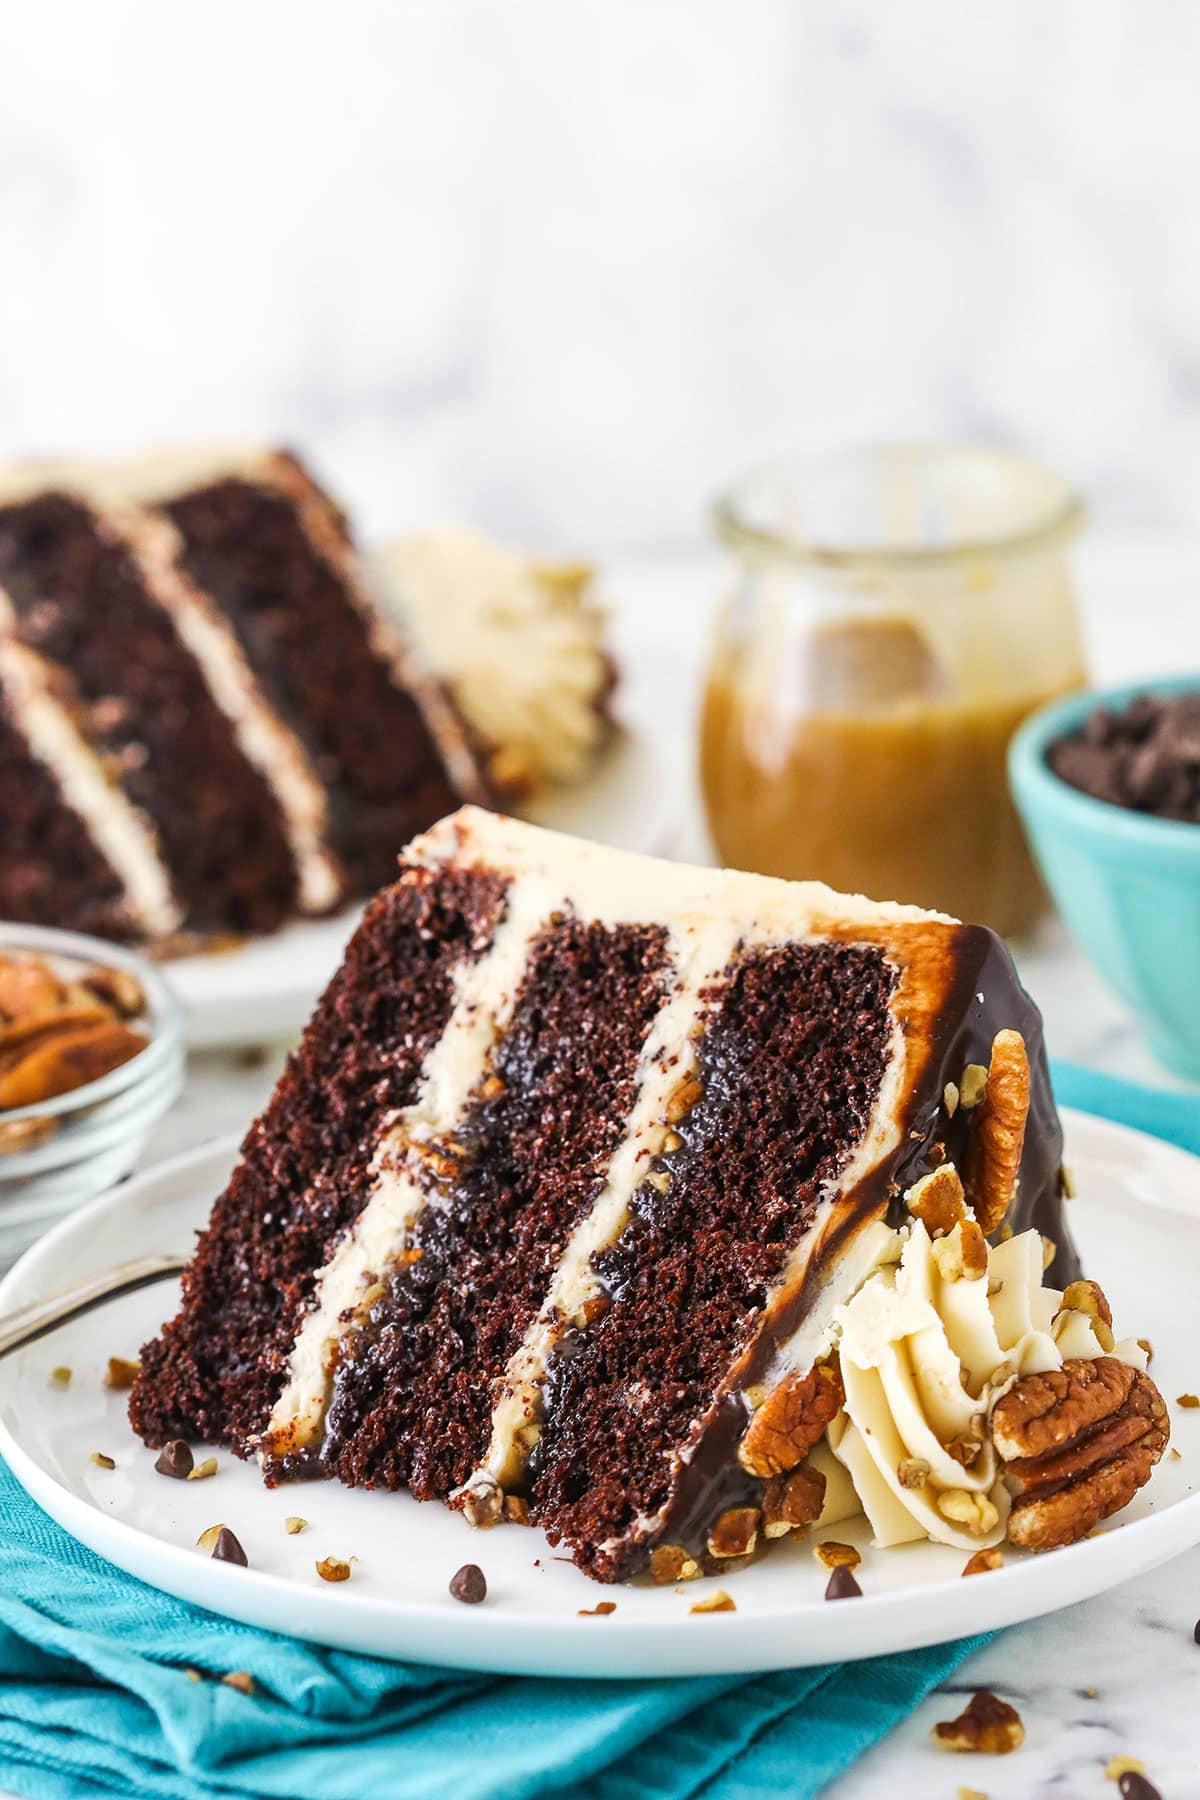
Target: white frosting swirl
[924, 1359]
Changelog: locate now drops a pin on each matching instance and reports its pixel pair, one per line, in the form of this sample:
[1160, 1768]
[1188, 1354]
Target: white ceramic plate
[266, 989]
[1138, 1223]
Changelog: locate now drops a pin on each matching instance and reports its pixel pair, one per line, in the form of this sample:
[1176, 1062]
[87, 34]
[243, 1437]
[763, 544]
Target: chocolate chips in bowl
[1108, 787]
[91, 1055]
[1144, 755]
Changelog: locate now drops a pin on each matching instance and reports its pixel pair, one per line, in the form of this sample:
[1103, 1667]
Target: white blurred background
[558, 266]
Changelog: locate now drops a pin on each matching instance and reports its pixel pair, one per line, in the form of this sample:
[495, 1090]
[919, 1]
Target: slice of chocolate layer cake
[158, 737]
[220, 731]
[554, 1212]
[271, 550]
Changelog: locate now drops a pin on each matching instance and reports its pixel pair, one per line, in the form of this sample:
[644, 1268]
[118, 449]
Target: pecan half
[997, 1135]
[1077, 1443]
[791, 1420]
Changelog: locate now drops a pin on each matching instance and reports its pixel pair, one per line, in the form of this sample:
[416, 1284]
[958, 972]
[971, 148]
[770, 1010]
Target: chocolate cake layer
[412, 1401]
[304, 635]
[217, 1368]
[81, 601]
[789, 1070]
[51, 872]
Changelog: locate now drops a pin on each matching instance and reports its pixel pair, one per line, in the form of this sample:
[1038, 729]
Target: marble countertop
[1113, 1676]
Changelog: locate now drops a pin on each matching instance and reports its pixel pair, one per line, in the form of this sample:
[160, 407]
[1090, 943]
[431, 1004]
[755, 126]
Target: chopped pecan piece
[333, 1568]
[832, 1555]
[718, 1602]
[791, 1420]
[963, 1256]
[671, 1562]
[1077, 1443]
[483, 1503]
[1087, 1297]
[988, 1725]
[938, 1200]
[682, 1098]
[983, 1561]
[121, 1373]
[792, 1501]
[997, 1134]
[973, 1086]
[976, 1513]
[735, 1532]
[913, 1472]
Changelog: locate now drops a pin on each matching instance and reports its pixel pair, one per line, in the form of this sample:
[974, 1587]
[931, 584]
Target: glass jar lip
[1052, 510]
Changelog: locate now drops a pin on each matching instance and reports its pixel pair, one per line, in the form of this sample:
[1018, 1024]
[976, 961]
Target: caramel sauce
[908, 802]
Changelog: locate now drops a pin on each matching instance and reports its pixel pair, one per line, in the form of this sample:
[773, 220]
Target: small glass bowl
[101, 1128]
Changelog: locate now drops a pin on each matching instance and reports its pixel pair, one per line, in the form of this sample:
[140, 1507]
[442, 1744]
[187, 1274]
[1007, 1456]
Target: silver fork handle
[35, 1321]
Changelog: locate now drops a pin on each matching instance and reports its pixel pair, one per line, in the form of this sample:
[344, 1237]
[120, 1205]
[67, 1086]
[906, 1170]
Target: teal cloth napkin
[1171, 1115]
[94, 1698]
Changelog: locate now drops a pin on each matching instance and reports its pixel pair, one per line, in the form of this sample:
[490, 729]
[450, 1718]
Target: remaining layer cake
[206, 725]
[271, 550]
[519, 642]
[558, 1208]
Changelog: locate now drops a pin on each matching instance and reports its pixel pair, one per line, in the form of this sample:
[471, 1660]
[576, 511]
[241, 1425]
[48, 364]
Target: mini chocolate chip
[175, 1459]
[227, 1548]
[469, 1584]
[1196, 1631]
[842, 1585]
[1132, 1786]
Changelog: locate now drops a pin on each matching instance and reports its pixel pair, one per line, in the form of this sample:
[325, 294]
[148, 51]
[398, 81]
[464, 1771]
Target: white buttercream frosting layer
[484, 993]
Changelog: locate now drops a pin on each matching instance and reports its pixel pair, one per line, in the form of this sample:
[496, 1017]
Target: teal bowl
[1127, 884]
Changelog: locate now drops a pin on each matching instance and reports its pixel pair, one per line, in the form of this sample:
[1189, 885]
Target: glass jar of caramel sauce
[894, 614]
